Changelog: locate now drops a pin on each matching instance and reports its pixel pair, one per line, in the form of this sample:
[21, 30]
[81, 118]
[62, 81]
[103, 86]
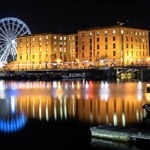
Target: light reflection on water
[91, 102]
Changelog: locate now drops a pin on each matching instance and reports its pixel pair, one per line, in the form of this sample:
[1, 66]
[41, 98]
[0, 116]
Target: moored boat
[73, 75]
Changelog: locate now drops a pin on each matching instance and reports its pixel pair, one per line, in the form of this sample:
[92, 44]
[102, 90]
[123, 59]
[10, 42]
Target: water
[59, 114]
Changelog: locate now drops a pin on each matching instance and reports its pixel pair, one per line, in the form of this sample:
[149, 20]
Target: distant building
[103, 46]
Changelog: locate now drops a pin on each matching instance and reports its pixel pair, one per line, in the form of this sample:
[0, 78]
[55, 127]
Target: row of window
[105, 32]
[140, 46]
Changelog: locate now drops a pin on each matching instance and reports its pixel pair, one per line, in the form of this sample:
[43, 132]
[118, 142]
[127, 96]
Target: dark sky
[68, 16]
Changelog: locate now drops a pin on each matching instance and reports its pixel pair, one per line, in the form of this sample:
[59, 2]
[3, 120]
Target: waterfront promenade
[103, 73]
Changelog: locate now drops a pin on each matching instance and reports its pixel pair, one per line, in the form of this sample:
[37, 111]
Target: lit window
[97, 32]
[64, 37]
[64, 49]
[40, 38]
[139, 33]
[33, 39]
[90, 34]
[64, 43]
[55, 37]
[136, 33]
[73, 38]
[122, 31]
[114, 31]
[60, 37]
[46, 37]
[106, 32]
[143, 33]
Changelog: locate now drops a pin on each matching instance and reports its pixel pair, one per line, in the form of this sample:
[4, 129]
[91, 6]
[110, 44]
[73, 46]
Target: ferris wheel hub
[13, 41]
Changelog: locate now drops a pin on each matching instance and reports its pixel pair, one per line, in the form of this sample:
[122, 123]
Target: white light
[115, 119]
[13, 42]
[13, 102]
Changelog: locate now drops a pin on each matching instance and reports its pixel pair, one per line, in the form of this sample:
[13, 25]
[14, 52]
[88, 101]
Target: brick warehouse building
[103, 46]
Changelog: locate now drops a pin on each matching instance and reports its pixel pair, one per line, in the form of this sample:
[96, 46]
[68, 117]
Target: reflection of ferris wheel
[10, 28]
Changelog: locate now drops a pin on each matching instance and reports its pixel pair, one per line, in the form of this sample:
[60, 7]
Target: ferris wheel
[10, 28]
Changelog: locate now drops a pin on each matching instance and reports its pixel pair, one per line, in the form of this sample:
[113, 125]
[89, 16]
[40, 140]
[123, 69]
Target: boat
[73, 75]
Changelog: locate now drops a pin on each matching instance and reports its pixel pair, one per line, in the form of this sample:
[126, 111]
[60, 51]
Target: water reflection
[91, 102]
[10, 119]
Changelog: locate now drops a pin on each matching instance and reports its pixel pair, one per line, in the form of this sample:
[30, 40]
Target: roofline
[113, 26]
[85, 29]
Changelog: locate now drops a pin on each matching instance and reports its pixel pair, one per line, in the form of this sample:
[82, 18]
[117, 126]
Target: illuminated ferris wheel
[10, 28]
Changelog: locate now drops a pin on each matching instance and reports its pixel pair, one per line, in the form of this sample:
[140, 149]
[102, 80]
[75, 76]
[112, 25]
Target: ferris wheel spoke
[3, 57]
[5, 27]
[14, 50]
[2, 36]
[20, 31]
[2, 49]
[4, 33]
[24, 33]
[13, 25]
[2, 39]
[2, 46]
[6, 54]
[16, 30]
[8, 24]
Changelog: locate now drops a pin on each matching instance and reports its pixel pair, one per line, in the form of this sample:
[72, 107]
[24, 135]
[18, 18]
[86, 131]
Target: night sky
[43, 16]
